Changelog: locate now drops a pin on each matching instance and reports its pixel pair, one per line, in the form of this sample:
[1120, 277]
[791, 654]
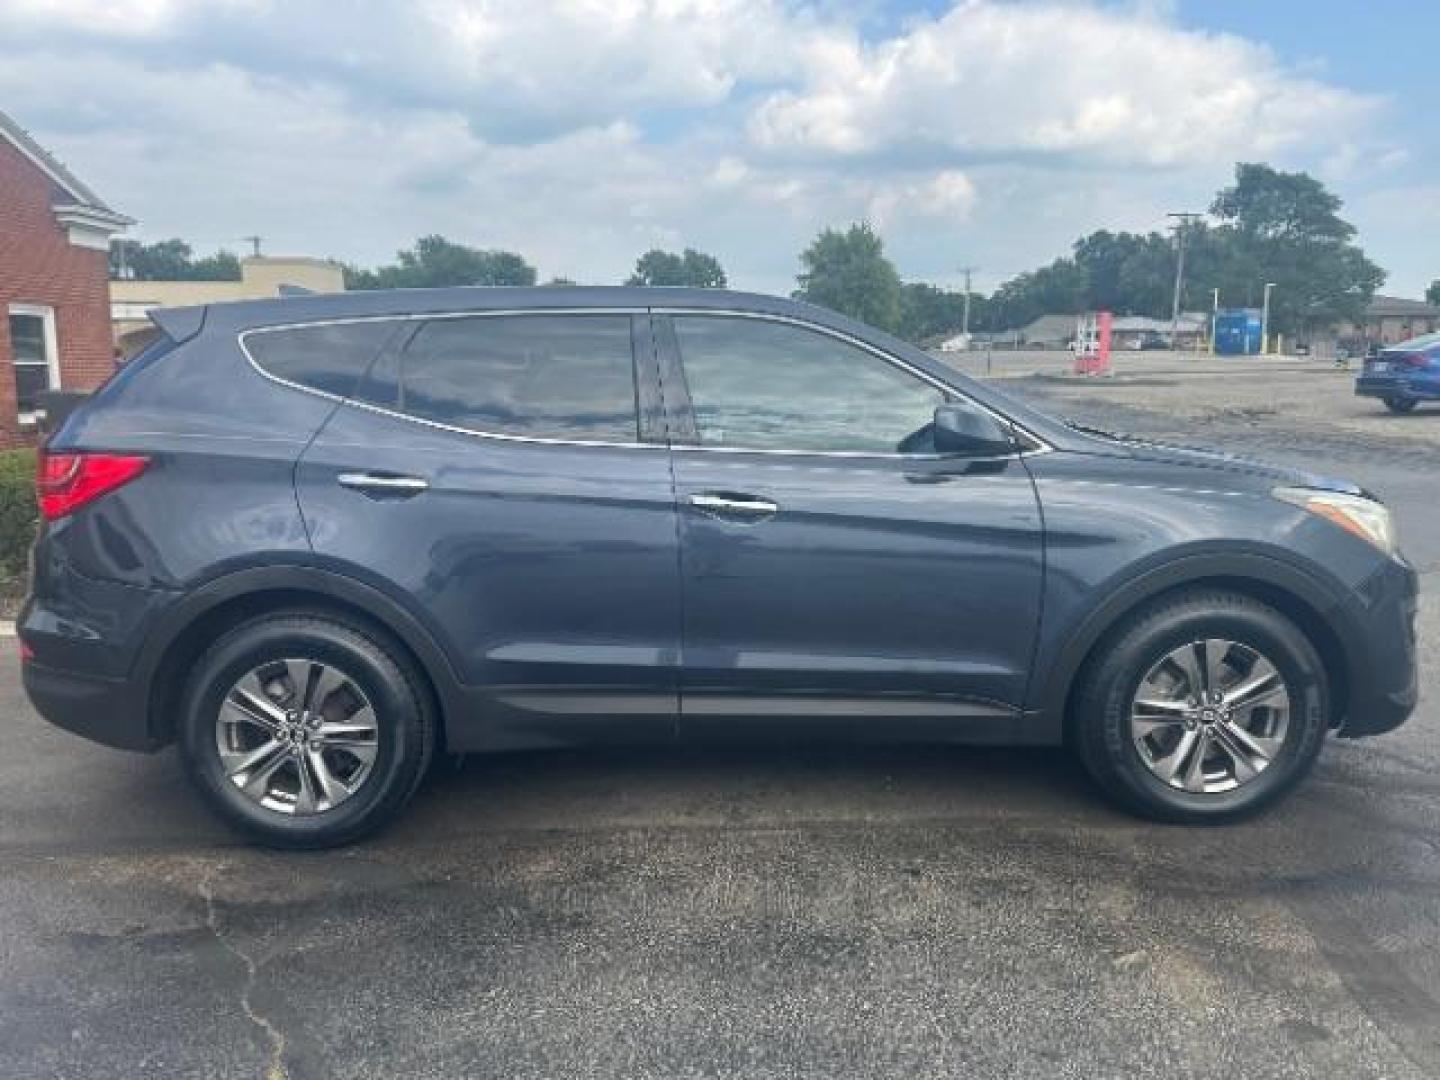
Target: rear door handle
[738, 506]
[381, 485]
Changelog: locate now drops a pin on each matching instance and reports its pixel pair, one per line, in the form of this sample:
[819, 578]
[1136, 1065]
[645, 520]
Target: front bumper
[1380, 641]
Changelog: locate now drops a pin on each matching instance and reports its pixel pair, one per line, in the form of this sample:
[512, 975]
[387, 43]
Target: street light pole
[1265, 321]
[1214, 317]
[1182, 219]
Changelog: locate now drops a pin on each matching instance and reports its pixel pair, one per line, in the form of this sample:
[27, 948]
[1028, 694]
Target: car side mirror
[969, 432]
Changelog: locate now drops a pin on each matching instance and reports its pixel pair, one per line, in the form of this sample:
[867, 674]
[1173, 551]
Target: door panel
[547, 570]
[872, 591]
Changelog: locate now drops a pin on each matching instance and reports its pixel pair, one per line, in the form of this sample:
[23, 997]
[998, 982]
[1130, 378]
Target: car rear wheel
[1204, 708]
[1400, 404]
[304, 731]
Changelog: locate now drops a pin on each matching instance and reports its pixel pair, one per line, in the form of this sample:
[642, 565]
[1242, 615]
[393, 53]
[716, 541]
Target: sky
[580, 133]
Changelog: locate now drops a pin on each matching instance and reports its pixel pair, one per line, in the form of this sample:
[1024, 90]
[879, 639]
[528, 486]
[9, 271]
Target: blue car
[1403, 375]
[319, 541]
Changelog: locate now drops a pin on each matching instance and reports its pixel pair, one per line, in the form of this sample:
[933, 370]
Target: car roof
[1424, 341]
[379, 303]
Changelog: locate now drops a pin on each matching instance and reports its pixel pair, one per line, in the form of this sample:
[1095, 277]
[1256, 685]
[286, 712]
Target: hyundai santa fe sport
[319, 540]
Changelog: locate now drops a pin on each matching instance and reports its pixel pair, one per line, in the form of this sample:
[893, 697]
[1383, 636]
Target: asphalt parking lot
[820, 913]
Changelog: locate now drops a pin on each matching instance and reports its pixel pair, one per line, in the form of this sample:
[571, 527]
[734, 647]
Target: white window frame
[52, 350]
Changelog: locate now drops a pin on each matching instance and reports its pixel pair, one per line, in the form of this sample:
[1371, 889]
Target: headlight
[1364, 517]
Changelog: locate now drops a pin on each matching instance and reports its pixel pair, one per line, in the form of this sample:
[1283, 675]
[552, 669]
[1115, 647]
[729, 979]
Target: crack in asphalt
[275, 1066]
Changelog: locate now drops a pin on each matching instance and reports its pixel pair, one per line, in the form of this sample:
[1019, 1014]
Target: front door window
[761, 385]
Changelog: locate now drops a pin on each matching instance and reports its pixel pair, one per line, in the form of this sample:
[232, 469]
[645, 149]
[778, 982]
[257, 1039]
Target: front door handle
[383, 485]
[749, 507]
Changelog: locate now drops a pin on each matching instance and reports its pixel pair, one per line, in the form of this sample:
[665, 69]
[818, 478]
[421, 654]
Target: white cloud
[1051, 81]
[518, 69]
[946, 195]
[580, 132]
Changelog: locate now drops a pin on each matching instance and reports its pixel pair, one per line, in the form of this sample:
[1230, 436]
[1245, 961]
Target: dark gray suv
[318, 540]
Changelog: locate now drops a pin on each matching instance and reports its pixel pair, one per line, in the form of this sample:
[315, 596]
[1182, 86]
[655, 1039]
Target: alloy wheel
[297, 736]
[1210, 716]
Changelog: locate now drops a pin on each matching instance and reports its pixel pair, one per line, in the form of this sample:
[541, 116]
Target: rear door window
[329, 357]
[566, 377]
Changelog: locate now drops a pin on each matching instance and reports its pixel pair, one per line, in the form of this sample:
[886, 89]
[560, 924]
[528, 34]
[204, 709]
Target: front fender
[1065, 644]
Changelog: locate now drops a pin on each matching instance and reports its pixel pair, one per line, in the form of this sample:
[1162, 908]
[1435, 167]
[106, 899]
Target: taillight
[66, 482]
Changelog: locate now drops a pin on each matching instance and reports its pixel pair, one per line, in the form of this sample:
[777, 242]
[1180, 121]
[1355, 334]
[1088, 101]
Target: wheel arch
[1299, 596]
[233, 598]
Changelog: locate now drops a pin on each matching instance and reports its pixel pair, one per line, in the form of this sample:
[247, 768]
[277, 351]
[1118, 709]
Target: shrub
[19, 517]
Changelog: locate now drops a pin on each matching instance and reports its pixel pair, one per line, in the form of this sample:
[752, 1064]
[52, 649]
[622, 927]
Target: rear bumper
[1382, 649]
[1397, 386]
[108, 711]
[84, 637]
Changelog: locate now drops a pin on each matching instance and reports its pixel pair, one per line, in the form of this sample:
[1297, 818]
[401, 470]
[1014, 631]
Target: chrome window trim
[436, 424]
[1041, 446]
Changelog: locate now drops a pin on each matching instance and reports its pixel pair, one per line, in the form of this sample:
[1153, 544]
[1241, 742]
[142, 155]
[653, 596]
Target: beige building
[1388, 320]
[261, 276]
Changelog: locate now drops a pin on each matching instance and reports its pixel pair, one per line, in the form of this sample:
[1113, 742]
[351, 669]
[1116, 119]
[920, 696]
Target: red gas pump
[1092, 343]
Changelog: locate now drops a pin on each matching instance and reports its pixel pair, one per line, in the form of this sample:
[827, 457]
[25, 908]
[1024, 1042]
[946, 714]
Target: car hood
[1142, 449]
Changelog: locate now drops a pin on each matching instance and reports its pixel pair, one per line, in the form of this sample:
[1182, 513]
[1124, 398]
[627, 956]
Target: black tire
[1400, 404]
[1102, 704]
[403, 718]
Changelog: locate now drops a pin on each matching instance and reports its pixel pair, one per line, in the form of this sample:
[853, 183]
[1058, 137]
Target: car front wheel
[1205, 707]
[304, 731]
[1400, 404]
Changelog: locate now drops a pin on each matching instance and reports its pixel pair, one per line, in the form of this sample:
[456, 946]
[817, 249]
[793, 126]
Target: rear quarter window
[330, 358]
[549, 376]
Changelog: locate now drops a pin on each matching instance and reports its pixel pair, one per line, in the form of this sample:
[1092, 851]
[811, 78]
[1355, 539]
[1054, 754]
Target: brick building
[54, 282]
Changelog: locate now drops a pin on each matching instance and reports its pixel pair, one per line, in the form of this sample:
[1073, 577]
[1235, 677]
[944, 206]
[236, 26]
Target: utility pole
[965, 323]
[254, 242]
[1182, 222]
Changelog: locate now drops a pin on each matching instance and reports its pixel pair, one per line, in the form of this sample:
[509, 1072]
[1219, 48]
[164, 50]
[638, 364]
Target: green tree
[927, 311]
[1271, 226]
[849, 273]
[435, 261]
[691, 267]
[169, 260]
[1105, 257]
[1285, 228]
[1432, 294]
[1058, 289]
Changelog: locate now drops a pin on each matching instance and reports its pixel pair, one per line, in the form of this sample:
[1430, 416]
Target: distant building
[1389, 319]
[54, 241]
[1049, 332]
[1138, 331]
[1127, 331]
[260, 276]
